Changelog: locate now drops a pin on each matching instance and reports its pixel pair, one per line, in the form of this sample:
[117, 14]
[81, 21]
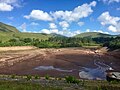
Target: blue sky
[66, 17]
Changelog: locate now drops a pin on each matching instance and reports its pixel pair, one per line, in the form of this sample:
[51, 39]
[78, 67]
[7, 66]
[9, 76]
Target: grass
[53, 84]
[5, 36]
[15, 85]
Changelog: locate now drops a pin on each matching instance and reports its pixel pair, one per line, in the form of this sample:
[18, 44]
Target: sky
[65, 17]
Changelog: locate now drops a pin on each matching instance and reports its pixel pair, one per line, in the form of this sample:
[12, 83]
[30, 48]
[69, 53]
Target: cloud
[5, 7]
[76, 14]
[54, 31]
[67, 33]
[52, 25]
[100, 31]
[64, 24]
[112, 23]
[8, 5]
[88, 30]
[114, 28]
[110, 1]
[105, 19]
[45, 31]
[39, 15]
[23, 27]
[34, 24]
[80, 23]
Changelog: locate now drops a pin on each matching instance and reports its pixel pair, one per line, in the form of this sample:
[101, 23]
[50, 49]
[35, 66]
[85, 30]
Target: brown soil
[23, 62]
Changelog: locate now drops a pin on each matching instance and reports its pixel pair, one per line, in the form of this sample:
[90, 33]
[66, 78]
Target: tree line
[61, 42]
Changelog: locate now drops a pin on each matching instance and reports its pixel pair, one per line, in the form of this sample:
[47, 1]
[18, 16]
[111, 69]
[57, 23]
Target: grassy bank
[12, 82]
[15, 85]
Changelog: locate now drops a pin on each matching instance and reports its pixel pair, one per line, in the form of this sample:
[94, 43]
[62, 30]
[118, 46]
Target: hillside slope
[93, 35]
[8, 32]
[7, 28]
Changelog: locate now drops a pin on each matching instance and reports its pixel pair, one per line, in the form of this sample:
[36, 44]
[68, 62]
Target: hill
[7, 28]
[5, 36]
[8, 32]
[93, 35]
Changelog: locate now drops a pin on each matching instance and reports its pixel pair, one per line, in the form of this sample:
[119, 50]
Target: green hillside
[93, 35]
[7, 28]
[8, 32]
[5, 36]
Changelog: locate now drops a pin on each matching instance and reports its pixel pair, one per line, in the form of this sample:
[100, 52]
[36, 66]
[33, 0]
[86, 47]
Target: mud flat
[57, 62]
[16, 48]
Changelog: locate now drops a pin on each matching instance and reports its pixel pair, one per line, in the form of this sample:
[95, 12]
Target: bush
[13, 76]
[28, 77]
[71, 79]
[36, 77]
[47, 77]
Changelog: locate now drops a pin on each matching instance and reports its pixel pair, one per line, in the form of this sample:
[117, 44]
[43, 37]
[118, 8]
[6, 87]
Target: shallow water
[95, 73]
[87, 73]
[52, 68]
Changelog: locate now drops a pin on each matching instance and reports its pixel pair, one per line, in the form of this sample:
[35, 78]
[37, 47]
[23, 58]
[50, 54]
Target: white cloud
[111, 1]
[5, 7]
[63, 32]
[76, 14]
[8, 1]
[76, 32]
[112, 28]
[45, 31]
[64, 24]
[39, 15]
[52, 25]
[100, 31]
[23, 27]
[112, 23]
[8, 5]
[34, 24]
[80, 23]
[54, 31]
[105, 19]
[88, 30]
[69, 33]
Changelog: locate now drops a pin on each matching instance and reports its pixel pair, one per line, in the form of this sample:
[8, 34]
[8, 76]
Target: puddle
[90, 73]
[95, 73]
[52, 68]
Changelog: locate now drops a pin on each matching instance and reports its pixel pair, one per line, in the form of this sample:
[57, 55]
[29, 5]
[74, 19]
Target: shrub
[28, 77]
[13, 76]
[71, 79]
[47, 77]
[36, 77]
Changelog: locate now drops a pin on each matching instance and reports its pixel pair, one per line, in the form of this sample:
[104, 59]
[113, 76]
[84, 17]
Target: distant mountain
[93, 35]
[7, 28]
